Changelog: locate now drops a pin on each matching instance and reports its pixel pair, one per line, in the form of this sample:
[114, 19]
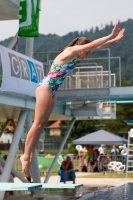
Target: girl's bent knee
[40, 125]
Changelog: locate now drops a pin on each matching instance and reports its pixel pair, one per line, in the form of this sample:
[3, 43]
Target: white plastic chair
[119, 168]
[116, 167]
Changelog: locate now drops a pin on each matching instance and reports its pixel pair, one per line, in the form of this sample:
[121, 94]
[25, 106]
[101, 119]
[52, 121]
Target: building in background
[55, 128]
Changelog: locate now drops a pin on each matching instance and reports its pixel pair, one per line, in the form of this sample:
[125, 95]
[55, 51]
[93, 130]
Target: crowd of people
[88, 159]
[97, 159]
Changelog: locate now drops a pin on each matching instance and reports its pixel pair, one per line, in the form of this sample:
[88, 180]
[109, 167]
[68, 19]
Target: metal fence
[105, 79]
[88, 75]
[104, 160]
[0, 71]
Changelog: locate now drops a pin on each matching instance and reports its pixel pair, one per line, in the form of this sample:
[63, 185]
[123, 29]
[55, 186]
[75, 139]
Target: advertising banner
[20, 74]
[29, 18]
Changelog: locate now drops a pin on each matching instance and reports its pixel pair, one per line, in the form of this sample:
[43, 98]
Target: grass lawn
[108, 175]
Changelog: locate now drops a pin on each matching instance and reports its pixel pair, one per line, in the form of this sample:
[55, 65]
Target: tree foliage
[53, 42]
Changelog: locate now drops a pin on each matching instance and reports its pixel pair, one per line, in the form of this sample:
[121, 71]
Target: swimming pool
[123, 192]
[59, 194]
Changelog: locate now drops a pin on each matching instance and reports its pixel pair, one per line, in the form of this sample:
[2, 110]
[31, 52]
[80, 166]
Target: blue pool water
[124, 192]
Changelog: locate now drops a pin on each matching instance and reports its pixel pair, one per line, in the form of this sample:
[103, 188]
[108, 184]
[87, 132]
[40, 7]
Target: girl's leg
[42, 110]
[50, 111]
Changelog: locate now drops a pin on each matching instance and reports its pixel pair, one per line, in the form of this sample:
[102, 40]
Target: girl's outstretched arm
[98, 42]
[116, 39]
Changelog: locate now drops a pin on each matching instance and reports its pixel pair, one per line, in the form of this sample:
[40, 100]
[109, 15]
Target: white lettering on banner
[28, 13]
[38, 70]
[20, 73]
[25, 69]
[34, 73]
[15, 65]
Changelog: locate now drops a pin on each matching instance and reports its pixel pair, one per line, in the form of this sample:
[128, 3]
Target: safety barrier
[104, 161]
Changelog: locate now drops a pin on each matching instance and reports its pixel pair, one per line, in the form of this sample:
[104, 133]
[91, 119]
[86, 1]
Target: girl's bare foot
[25, 166]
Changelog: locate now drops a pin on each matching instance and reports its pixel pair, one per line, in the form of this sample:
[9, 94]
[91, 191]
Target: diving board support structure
[29, 47]
[20, 142]
[34, 186]
[12, 152]
[59, 151]
[13, 41]
[16, 173]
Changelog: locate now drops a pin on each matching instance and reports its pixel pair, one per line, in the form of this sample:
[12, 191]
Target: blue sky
[61, 17]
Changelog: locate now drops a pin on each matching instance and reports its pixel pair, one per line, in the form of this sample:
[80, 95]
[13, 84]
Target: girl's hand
[116, 29]
[119, 36]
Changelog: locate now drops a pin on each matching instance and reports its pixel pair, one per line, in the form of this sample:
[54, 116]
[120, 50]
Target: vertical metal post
[88, 81]
[102, 77]
[48, 59]
[79, 84]
[109, 68]
[120, 71]
[109, 82]
[29, 47]
[12, 152]
[20, 142]
[96, 76]
[59, 151]
[128, 146]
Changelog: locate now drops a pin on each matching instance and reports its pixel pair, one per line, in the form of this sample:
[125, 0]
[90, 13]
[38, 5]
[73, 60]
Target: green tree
[82, 128]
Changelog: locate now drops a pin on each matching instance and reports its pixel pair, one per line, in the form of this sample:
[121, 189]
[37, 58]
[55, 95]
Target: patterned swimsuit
[57, 75]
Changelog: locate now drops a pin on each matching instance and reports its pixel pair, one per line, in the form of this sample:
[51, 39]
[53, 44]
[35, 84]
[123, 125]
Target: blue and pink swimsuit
[57, 74]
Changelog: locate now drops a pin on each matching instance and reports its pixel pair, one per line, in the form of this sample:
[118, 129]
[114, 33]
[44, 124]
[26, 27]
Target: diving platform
[35, 186]
[113, 93]
[9, 10]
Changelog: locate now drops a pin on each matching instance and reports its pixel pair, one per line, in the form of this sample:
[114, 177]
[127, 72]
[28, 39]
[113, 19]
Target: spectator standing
[89, 156]
[81, 158]
[114, 151]
[102, 149]
[101, 157]
[94, 162]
